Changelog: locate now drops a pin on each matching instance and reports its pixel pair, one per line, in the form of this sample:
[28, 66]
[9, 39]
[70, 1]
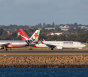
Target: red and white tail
[24, 36]
[34, 37]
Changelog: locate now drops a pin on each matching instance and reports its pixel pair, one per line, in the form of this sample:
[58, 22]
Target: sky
[32, 12]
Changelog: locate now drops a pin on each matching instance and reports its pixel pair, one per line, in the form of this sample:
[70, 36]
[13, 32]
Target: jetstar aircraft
[4, 44]
[56, 44]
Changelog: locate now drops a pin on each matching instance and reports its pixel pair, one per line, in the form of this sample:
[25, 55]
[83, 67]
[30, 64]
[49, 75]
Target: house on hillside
[49, 28]
[64, 28]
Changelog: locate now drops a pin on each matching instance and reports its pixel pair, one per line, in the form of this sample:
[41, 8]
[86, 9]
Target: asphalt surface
[43, 53]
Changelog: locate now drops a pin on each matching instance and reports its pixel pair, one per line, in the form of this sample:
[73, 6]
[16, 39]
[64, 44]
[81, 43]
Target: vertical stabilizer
[24, 36]
[35, 36]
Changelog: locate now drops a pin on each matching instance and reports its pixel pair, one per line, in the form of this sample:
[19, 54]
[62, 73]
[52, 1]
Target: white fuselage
[62, 44]
[13, 43]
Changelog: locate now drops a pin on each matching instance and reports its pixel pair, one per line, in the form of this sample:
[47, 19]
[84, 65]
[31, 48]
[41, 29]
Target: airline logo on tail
[24, 36]
[34, 37]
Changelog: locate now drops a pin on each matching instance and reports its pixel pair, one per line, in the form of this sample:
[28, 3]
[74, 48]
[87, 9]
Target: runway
[43, 53]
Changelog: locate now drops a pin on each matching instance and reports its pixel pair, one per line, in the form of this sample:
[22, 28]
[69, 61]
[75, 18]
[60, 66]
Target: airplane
[57, 44]
[34, 37]
[4, 44]
[62, 44]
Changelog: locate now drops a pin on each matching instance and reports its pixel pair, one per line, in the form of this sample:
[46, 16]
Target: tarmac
[43, 53]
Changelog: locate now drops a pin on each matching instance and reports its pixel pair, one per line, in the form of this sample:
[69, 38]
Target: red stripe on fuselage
[15, 46]
[19, 46]
[33, 45]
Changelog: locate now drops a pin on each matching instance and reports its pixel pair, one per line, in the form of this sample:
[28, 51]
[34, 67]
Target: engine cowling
[1, 48]
[59, 47]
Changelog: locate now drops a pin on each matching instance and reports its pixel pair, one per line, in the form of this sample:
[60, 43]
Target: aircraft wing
[54, 46]
[51, 46]
[4, 45]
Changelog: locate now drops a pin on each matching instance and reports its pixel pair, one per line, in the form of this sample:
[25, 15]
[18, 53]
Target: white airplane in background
[62, 44]
[57, 44]
[4, 44]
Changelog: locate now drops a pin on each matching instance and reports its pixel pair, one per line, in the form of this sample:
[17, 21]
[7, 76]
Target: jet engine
[59, 47]
[1, 47]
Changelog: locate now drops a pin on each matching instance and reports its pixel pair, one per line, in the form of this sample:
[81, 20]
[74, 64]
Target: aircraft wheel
[51, 48]
[5, 49]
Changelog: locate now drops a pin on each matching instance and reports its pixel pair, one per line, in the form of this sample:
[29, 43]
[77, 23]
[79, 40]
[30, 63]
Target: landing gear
[6, 49]
[51, 48]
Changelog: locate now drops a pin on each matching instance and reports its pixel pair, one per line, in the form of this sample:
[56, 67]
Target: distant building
[54, 33]
[84, 27]
[64, 28]
[9, 33]
[50, 28]
[18, 34]
[40, 28]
